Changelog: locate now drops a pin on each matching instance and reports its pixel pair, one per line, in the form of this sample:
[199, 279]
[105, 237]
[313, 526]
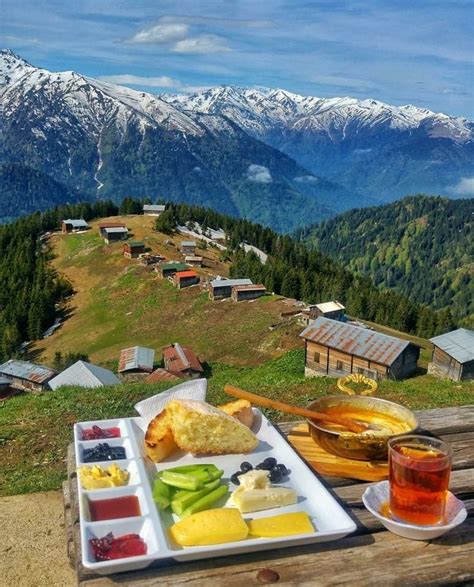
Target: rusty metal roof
[136, 357]
[28, 371]
[361, 342]
[180, 358]
[161, 374]
[459, 344]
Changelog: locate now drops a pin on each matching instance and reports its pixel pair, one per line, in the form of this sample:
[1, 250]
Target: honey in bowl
[381, 424]
[419, 469]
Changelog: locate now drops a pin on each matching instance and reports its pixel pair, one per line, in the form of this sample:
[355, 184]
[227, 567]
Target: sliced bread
[200, 428]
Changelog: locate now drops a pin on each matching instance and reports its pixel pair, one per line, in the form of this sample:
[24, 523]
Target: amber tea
[419, 477]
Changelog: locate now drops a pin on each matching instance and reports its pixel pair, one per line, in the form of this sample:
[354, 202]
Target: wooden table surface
[369, 556]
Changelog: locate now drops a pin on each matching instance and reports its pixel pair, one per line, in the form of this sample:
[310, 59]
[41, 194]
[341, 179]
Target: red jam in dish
[117, 507]
[96, 433]
[110, 548]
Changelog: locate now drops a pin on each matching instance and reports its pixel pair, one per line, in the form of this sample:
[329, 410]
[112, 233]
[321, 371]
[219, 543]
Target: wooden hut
[169, 269]
[186, 278]
[115, 234]
[453, 355]
[188, 247]
[241, 293]
[26, 376]
[181, 361]
[153, 209]
[222, 288]
[333, 310]
[136, 359]
[133, 249]
[193, 260]
[337, 349]
[73, 225]
[103, 225]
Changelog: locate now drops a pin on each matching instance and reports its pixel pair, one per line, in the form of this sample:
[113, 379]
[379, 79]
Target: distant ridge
[422, 246]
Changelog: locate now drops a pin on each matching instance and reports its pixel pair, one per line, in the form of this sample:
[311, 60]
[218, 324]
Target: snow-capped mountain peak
[12, 67]
[259, 110]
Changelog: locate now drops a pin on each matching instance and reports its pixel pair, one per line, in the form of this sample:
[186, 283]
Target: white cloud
[162, 33]
[465, 187]
[201, 44]
[127, 79]
[259, 174]
[306, 179]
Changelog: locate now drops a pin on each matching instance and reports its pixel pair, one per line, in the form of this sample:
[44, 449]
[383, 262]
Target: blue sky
[419, 52]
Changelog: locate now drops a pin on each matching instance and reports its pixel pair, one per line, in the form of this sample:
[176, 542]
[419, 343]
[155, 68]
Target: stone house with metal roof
[337, 349]
[453, 355]
[26, 376]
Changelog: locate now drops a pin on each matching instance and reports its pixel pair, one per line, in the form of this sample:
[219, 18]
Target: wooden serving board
[328, 464]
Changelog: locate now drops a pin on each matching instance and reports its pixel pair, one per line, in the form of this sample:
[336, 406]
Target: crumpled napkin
[193, 389]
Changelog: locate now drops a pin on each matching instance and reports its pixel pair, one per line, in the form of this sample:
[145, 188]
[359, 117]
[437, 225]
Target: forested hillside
[295, 270]
[421, 246]
[31, 289]
[24, 190]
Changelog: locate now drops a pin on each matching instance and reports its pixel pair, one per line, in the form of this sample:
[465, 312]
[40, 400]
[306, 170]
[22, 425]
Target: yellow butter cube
[282, 525]
[210, 527]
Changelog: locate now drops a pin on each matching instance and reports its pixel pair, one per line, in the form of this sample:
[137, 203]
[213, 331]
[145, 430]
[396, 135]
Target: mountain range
[372, 148]
[268, 155]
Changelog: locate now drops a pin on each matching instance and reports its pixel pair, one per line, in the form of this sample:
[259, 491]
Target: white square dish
[328, 517]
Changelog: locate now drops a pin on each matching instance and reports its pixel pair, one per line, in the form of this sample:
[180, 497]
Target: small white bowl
[378, 494]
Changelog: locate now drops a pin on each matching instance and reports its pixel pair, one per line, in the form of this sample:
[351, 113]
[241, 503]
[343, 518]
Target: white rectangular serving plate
[329, 518]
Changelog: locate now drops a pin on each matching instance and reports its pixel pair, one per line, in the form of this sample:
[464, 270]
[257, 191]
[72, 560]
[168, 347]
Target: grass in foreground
[35, 430]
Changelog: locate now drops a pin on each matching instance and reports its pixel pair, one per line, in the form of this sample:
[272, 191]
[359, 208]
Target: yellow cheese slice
[282, 525]
[210, 527]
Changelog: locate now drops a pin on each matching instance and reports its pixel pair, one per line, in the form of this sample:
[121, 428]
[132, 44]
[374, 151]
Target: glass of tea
[419, 477]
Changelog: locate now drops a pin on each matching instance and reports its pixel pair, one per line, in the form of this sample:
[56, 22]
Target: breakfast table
[369, 556]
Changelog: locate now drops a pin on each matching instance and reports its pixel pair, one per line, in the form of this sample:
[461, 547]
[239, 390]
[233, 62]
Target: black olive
[245, 467]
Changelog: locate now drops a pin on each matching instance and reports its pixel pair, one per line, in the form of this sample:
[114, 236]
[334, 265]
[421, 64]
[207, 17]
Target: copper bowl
[367, 446]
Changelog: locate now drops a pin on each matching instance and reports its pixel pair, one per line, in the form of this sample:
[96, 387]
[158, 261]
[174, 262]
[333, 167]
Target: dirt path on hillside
[32, 541]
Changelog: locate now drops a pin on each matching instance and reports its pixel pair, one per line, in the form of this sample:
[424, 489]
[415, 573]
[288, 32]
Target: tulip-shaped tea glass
[419, 477]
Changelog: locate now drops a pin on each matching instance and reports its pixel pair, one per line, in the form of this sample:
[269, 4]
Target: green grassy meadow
[35, 430]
